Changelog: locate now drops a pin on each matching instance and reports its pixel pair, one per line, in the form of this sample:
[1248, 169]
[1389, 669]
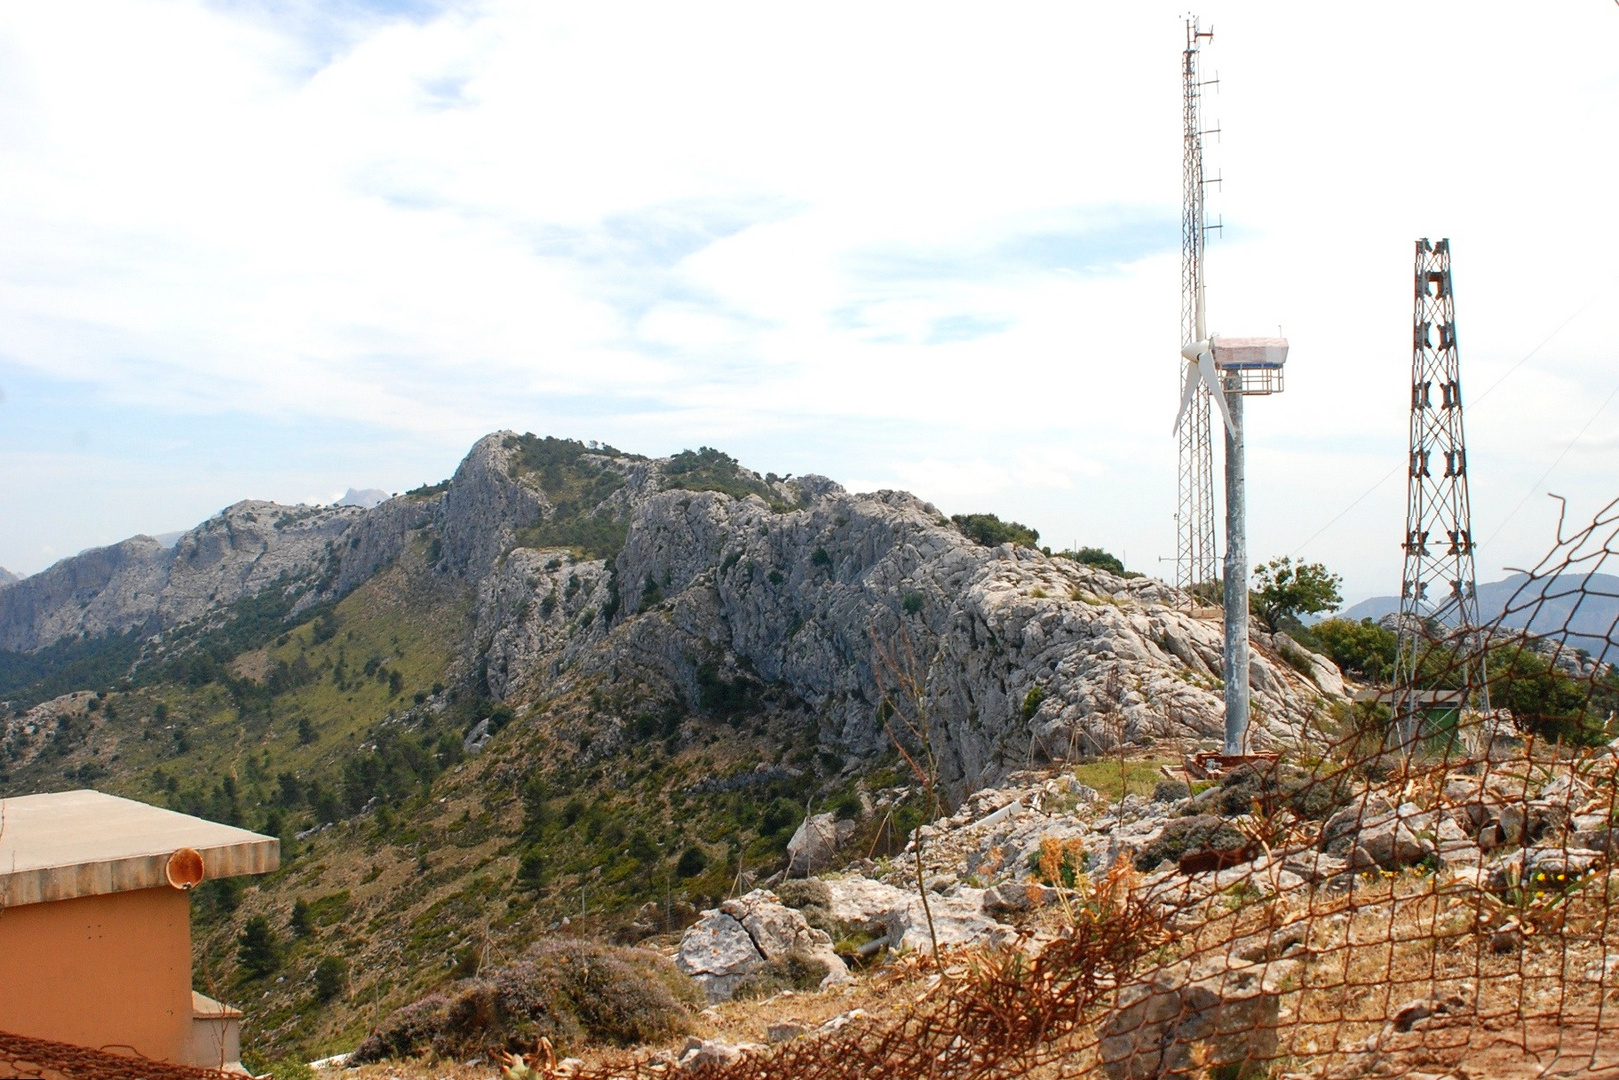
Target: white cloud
[928, 243]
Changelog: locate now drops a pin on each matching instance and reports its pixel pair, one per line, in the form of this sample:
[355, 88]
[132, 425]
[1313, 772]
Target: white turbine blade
[1188, 391]
[1211, 378]
[1202, 333]
[1193, 349]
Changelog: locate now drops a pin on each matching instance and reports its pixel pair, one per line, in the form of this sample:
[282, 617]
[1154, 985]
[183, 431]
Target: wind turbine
[1199, 356]
[1232, 369]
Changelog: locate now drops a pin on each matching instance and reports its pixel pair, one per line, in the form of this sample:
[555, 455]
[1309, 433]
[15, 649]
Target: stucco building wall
[108, 971]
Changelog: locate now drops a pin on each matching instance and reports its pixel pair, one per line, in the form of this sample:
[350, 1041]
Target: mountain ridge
[1585, 605]
[693, 533]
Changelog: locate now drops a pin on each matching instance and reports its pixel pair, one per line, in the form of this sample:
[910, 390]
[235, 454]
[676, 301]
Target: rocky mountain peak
[699, 582]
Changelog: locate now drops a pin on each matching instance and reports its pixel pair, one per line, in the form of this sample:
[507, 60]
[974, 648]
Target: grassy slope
[177, 744]
[430, 889]
[580, 809]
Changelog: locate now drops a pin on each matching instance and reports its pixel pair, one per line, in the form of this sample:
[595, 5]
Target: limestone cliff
[141, 584]
[696, 581]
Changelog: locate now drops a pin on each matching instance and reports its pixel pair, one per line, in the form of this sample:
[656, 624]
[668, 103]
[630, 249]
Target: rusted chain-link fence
[23, 1058]
[1428, 890]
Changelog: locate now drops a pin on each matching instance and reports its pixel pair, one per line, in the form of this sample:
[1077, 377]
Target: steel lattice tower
[1195, 554]
[1438, 595]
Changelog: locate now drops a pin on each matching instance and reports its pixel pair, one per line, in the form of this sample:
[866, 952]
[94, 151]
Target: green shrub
[330, 976]
[1363, 649]
[991, 531]
[692, 862]
[571, 992]
[707, 469]
[792, 972]
[531, 870]
[301, 922]
[1204, 832]
[1097, 557]
[258, 950]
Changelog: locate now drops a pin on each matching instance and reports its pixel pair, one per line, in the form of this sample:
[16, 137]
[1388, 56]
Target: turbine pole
[1236, 575]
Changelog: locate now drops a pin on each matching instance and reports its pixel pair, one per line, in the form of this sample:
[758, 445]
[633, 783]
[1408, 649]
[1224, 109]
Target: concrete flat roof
[86, 843]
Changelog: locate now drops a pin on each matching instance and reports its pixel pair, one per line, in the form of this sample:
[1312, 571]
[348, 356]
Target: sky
[278, 249]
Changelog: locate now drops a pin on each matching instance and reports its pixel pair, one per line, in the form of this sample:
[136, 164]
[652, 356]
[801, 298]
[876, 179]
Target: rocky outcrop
[484, 507]
[375, 538]
[897, 917]
[1322, 671]
[745, 936]
[246, 549]
[1221, 1015]
[1019, 654]
[111, 588]
[814, 846]
[587, 563]
[7, 577]
[141, 584]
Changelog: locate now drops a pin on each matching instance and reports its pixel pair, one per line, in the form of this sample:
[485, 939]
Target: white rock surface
[746, 934]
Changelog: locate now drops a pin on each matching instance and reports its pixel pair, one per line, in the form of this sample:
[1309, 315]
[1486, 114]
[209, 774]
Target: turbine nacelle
[1207, 359]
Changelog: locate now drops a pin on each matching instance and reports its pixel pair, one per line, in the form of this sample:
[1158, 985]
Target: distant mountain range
[364, 498]
[1586, 605]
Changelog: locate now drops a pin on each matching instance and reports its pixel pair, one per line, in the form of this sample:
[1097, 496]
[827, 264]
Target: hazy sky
[273, 250]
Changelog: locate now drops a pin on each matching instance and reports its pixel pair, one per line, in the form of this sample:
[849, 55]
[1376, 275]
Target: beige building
[95, 924]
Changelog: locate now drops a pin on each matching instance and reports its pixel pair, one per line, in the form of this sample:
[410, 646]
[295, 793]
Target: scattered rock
[1221, 1016]
[1203, 839]
[786, 1031]
[1339, 833]
[477, 738]
[1015, 896]
[843, 1020]
[712, 1052]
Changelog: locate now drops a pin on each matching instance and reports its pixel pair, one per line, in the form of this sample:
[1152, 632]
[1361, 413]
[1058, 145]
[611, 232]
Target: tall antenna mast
[1438, 590]
[1195, 553]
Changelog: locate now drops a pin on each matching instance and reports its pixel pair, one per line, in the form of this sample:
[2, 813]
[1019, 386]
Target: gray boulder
[814, 847]
[1221, 1017]
[1402, 837]
[744, 936]
[1339, 833]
